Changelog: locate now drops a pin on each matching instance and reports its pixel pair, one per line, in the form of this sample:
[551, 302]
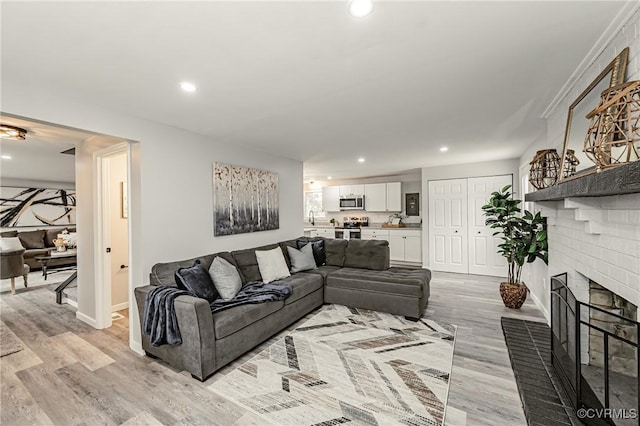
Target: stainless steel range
[351, 227]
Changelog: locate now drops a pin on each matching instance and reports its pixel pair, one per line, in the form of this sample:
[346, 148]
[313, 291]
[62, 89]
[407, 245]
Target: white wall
[458, 171]
[537, 275]
[171, 188]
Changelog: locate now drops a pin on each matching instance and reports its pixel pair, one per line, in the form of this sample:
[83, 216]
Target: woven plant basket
[513, 295]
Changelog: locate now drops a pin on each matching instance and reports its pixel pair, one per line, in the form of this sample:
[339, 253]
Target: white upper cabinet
[394, 196]
[346, 190]
[383, 197]
[331, 199]
[375, 197]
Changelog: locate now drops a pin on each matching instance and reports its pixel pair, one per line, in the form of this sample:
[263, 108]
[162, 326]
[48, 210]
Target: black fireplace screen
[595, 353]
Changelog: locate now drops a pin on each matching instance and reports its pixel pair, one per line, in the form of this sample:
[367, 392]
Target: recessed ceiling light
[444, 149]
[361, 160]
[329, 177]
[188, 87]
[360, 8]
[6, 157]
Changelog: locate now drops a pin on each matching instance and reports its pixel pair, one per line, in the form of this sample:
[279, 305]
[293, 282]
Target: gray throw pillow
[301, 260]
[225, 277]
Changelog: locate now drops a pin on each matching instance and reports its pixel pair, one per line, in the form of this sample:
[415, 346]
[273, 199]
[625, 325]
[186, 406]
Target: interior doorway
[112, 248]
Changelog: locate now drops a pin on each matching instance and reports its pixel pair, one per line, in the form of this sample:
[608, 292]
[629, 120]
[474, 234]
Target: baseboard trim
[136, 347]
[87, 319]
[70, 302]
[540, 306]
[120, 306]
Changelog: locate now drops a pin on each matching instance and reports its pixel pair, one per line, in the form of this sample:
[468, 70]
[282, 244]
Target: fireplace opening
[595, 351]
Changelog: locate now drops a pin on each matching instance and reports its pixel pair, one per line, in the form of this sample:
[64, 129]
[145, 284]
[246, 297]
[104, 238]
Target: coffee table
[45, 259]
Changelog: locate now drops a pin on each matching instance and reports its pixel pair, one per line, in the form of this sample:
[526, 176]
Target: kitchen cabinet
[375, 197]
[324, 232]
[383, 197]
[405, 245]
[331, 199]
[375, 234]
[346, 190]
[394, 196]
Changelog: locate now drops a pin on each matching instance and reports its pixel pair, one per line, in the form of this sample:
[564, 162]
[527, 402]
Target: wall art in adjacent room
[244, 200]
[36, 207]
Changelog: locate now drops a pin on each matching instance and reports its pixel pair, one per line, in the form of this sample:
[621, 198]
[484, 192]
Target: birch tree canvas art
[36, 207]
[244, 200]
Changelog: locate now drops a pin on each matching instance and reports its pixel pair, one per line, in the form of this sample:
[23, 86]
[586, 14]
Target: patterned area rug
[348, 365]
[9, 342]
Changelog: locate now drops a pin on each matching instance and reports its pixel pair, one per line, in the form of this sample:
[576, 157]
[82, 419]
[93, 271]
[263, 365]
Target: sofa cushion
[323, 271]
[197, 281]
[400, 281]
[225, 278]
[235, 319]
[335, 250]
[30, 254]
[272, 264]
[50, 235]
[367, 254]
[302, 284]
[319, 253]
[301, 260]
[32, 239]
[248, 263]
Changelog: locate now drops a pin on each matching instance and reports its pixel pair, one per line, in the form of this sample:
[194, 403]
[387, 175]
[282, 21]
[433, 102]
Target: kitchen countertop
[417, 226]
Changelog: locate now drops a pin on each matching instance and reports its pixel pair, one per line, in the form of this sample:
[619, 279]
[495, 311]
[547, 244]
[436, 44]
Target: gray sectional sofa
[356, 274]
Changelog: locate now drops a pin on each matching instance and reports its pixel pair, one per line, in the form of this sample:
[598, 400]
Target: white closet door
[483, 246]
[448, 225]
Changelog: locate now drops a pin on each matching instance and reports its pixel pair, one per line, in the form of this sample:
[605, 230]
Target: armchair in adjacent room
[12, 262]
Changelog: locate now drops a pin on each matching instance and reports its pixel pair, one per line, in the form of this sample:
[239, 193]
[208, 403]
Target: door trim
[102, 229]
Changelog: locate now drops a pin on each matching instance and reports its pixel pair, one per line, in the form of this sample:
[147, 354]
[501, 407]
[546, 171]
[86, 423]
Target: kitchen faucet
[311, 218]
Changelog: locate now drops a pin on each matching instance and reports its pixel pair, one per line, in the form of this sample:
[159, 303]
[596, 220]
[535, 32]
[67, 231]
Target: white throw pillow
[272, 265]
[225, 278]
[10, 244]
[301, 260]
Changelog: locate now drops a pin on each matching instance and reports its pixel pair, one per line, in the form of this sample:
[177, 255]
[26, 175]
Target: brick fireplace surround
[594, 231]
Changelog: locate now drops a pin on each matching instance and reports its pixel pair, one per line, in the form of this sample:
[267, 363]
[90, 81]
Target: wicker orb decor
[545, 169]
[570, 163]
[613, 137]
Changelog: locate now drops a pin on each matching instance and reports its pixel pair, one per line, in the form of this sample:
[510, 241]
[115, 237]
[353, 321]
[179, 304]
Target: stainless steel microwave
[352, 202]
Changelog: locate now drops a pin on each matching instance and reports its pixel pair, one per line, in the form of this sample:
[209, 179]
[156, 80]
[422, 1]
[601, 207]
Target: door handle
[123, 266]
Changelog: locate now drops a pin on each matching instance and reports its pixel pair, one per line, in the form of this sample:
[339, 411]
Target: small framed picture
[124, 204]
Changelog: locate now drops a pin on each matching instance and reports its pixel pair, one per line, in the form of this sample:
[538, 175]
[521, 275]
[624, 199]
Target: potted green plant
[524, 239]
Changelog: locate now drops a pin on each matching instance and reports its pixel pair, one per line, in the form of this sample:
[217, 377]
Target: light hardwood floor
[72, 374]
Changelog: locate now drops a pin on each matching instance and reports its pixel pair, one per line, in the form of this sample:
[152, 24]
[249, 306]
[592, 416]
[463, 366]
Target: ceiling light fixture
[360, 8]
[329, 177]
[6, 157]
[188, 87]
[360, 160]
[11, 132]
[444, 149]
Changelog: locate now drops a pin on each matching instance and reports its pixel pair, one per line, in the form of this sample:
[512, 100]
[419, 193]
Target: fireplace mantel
[615, 181]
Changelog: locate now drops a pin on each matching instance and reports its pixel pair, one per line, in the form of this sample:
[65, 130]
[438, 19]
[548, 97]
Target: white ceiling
[307, 81]
[39, 156]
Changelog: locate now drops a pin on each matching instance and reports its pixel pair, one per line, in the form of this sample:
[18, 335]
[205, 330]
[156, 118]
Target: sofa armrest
[196, 354]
